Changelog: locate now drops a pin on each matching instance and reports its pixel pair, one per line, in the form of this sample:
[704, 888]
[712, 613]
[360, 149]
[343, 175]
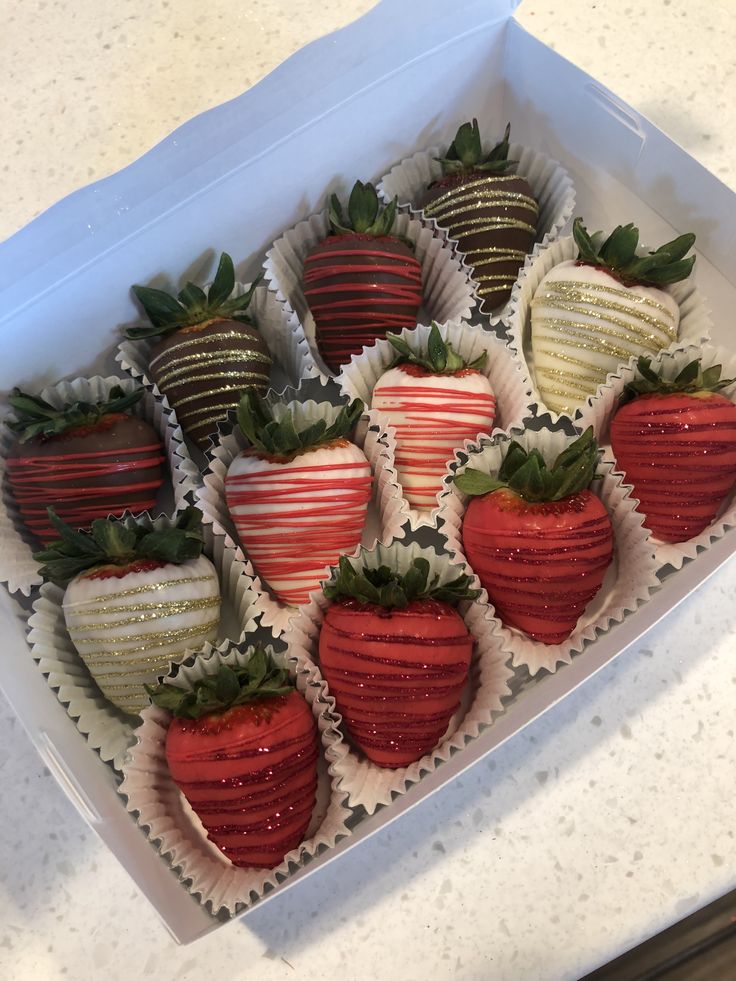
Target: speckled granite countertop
[604, 821]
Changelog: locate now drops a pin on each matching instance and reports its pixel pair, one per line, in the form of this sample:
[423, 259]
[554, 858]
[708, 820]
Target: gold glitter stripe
[471, 202]
[496, 255]
[166, 609]
[174, 636]
[139, 589]
[565, 378]
[494, 278]
[572, 284]
[178, 369]
[487, 223]
[480, 182]
[158, 665]
[162, 639]
[156, 659]
[582, 364]
[627, 329]
[579, 303]
[601, 342]
[193, 376]
[227, 335]
[222, 405]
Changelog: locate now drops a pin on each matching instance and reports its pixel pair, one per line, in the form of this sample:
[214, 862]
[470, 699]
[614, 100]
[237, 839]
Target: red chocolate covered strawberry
[490, 210]
[298, 498]
[242, 748]
[539, 541]
[395, 654]
[206, 349]
[676, 444]
[434, 402]
[361, 281]
[86, 460]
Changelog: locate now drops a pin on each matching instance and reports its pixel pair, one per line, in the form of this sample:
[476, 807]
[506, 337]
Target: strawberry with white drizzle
[596, 312]
[298, 499]
[136, 599]
[434, 402]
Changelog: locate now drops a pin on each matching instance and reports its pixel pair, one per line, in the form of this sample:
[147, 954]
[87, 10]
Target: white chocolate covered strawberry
[136, 600]
[298, 500]
[434, 403]
[596, 312]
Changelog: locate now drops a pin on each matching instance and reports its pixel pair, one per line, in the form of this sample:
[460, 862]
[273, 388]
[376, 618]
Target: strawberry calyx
[618, 256]
[465, 153]
[215, 694]
[192, 307]
[272, 432]
[692, 380]
[525, 472]
[382, 587]
[366, 217]
[37, 417]
[440, 359]
[118, 543]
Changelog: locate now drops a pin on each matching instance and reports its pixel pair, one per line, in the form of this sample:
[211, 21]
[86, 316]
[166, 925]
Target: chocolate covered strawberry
[242, 747]
[537, 538]
[596, 312]
[361, 281]
[395, 653]
[675, 441]
[206, 349]
[489, 209]
[434, 401]
[136, 599]
[298, 498]
[87, 460]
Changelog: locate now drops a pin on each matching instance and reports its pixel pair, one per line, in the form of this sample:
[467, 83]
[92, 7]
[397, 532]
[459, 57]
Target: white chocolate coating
[129, 630]
[433, 415]
[585, 324]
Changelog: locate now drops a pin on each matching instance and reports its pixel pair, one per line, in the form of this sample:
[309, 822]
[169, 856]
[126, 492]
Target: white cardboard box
[397, 80]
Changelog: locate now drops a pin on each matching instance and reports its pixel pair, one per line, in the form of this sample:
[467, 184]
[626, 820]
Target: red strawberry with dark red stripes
[242, 748]
[539, 541]
[86, 460]
[361, 281]
[676, 443]
[396, 655]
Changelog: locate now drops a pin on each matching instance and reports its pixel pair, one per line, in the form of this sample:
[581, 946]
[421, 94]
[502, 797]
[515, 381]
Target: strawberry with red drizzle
[537, 538]
[136, 599]
[242, 747]
[395, 653]
[434, 401]
[298, 498]
[676, 444]
[361, 281]
[87, 460]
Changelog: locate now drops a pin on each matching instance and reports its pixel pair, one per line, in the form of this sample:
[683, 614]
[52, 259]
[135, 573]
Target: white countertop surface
[603, 822]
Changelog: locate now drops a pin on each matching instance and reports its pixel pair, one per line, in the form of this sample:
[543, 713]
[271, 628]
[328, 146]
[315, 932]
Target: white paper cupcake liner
[598, 412]
[387, 512]
[631, 576]
[109, 731]
[18, 570]
[449, 293]
[510, 385]
[695, 320]
[169, 822]
[367, 784]
[277, 324]
[550, 182]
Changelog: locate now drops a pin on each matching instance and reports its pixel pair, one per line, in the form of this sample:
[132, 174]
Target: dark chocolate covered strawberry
[206, 349]
[537, 538]
[242, 748]
[395, 653]
[87, 460]
[675, 441]
[137, 598]
[490, 210]
[361, 281]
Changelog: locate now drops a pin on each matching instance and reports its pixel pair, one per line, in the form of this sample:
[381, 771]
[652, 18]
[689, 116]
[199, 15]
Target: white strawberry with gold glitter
[594, 313]
[298, 499]
[143, 599]
[434, 403]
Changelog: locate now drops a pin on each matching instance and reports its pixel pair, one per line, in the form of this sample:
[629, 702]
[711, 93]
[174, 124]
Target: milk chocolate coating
[203, 370]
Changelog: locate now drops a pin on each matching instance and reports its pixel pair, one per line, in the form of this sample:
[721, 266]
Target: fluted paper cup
[167, 820]
[508, 383]
[695, 321]
[387, 511]
[18, 570]
[631, 577]
[109, 731]
[599, 411]
[446, 284]
[371, 786]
